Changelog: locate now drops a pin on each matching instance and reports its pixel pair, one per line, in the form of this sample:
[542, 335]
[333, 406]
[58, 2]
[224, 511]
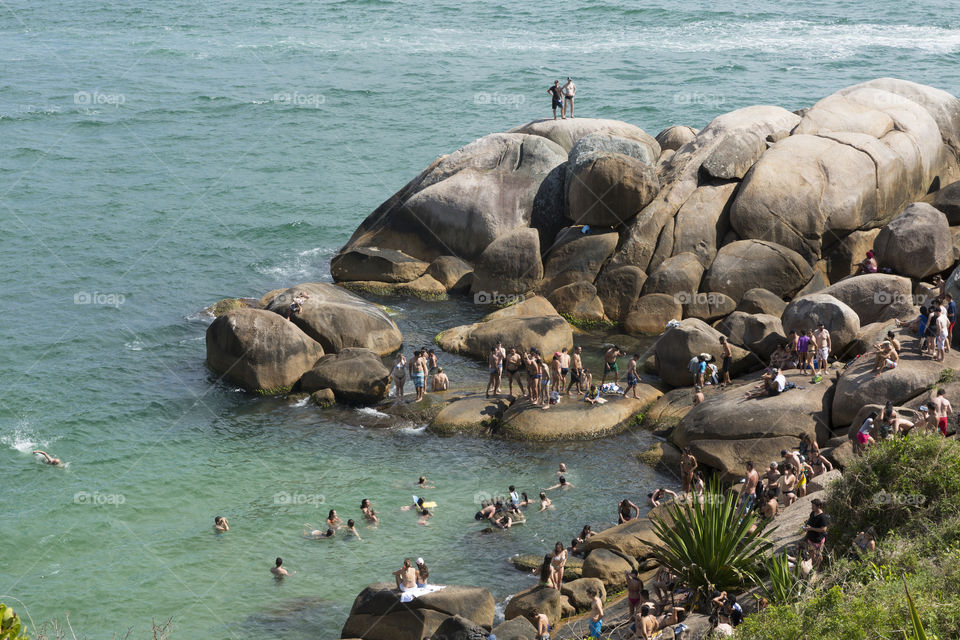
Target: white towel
[410, 594]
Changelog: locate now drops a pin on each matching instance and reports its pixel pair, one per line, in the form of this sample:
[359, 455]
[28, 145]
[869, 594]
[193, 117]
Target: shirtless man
[440, 381]
[406, 576]
[824, 345]
[495, 365]
[543, 624]
[632, 377]
[886, 358]
[534, 375]
[610, 363]
[48, 459]
[512, 365]
[698, 396]
[771, 477]
[654, 499]
[634, 586]
[556, 373]
[749, 495]
[564, 371]
[418, 371]
[576, 363]
[569, 91]
[647, 625]
[596, 613]
[278, 571]
[943, 330]
[688, 464]
[556, 97]
[791, 458]
[503, 356]
[941, 410]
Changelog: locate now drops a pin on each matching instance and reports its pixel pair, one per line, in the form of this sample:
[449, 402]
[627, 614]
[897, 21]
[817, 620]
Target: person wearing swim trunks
[727, 356]
[610, 363]
[824, 345]
[556, 98]
[941, 410]
[569, 91]
[512, 365]
[533, 376]
[419, 372]
[632, 378]
[564, 370]
[576, 362]
[495, 363]
[596, 612]
[634, 586]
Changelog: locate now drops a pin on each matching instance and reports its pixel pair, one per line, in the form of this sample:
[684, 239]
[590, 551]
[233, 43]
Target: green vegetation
[946, 377]
[909, 492]
[709, 546]
[227, 305]
[587, 325]
[276, 391]
[10, 625]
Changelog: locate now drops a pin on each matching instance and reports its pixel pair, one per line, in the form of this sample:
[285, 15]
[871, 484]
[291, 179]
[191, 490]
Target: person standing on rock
[816, 529]
[564, 370]
[569, 91]
[533, 376]
[512, 366]
[400, 375]
[556, 98]
[824, 346]
[943, 331]
[951, 317]
[726, 355]
[941, 410]
[440, 381]
[632, 378]
[803, 349]
[577, 368]
[418, 370]
[634, 587]
[688, 464]
[596, 613]
[610, 363]
[749, 495]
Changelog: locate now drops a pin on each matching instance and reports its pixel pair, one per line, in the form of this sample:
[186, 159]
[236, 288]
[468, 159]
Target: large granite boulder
[690, 337]
[400, 624]
[844, 256]
[533, 322]
[649, 238]
[729, 457]
[567, 133]
[632, 539]
[576, 592]
[674, 137]
[608, 189]
[947, 200]
[677, 276]
[708, 306]
[609, 567]
[578, 259]
[759, 300]
[574, 419]
[855, 160]
[337, 319]
[916, 243]
[455, 274]
[578, 301]
[875, 297]
[703, 221]
[374, 263]
[473, 414]
[546, 600]
[463, 201]
[355, 375]
[913, 376]
[747, 264]
[809, 311]
[728, 416]
[618, 290]
[510, 264]
[518, 628]
[760, 333]
[651, 313]
[459, 628]
[259, 350]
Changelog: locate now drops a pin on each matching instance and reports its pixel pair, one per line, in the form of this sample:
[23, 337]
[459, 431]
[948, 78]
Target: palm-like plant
[710, 545]
[786, 584]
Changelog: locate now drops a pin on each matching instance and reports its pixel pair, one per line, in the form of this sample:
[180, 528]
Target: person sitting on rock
[886, 357]
[864, 437]
[655, 499]
[440, 381]
[406, 576]
[769, 506]
[772, 384]
[297, 305]
[542, 623]
[867, 265]
[593, 395]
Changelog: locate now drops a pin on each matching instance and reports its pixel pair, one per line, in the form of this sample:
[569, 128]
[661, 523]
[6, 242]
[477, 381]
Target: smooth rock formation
[259, 350]
[464, 201]
[759, 300]
[459, 628]
[760, 333]
[578, 301]
[453, 273]
[518, 628]
[809, 311]
[708, 306]
[337, 319]
[608, 567]
[578, 259]
[355, 375]
[747, 264]
[373, 263]
[703, 221]
[534, 322]
[576, 592]
[573, 419]
[681, 342]
[672, 138]
[875, 297]
[678, 276]
[729, 457]
[844, 256]
[916, 243]
[568, 133]
[608, 189]
[631, 539]
[947, 201]
[474, 415]
[509, 265]
[547, 600]
[651, 313]
[619, 289]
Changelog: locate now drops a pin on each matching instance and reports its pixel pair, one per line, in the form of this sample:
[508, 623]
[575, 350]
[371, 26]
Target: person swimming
[48, 459]
[220, 524]
[317, 534]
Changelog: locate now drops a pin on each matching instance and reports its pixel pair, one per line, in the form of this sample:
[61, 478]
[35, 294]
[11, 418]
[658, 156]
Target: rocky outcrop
[875, 297]
[453, 273]
[759, 300]
[947, 201]
[259, 350]
[459, 628]
[747, 264]
[672, 138]
[579, 259]
[690, 337]
[534, 322]
[708, 306]
[474, 414]
[916, 243]
[567, 133]
[844, 256]
[546, 600]
[618, 289]
[518, 628]
[576, 592]
[631, 539]
[510, 264]
[609, 567]
[356, 376]
[373, 263]
[608, 189]
[760, 333]
[651, 313]
[578, 301]
[809, 311]
[337, 319]
[678, 275]
[574, 419]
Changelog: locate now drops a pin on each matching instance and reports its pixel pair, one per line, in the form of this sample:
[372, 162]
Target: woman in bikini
[557, 563]
[544, 502]
[400, 374]
[333, 520]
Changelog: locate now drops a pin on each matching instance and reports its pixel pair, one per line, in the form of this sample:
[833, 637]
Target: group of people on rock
[889, 423]
[422, 363]
[933, 327]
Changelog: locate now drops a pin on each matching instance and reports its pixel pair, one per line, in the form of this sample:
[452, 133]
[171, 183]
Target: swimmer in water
[422, 483]
[317, 534]
[278, 571]
[220, 524]
[545, 502]
[424, 516]
[352, 529]
[333, 520]
[563, 484]
[48, 459]
[562, 471]
[418, 505]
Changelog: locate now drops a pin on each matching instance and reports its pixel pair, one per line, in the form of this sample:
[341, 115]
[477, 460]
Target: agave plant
[787, 583]
[917, 632]
[710, 545]
[10, 624]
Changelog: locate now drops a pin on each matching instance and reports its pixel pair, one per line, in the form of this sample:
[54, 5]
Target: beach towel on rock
[410, 594]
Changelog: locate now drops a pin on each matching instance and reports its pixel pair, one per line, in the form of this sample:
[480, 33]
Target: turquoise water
[159, 156]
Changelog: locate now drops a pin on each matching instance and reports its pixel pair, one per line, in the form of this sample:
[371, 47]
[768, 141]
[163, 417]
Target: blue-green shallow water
[177, 153]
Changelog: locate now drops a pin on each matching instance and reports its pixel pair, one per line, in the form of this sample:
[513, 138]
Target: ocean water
[158, 156]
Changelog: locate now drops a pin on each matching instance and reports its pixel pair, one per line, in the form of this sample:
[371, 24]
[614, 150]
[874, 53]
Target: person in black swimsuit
[557, 97]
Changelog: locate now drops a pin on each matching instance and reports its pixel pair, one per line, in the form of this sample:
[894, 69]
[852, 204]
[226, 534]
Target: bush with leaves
[10, 624]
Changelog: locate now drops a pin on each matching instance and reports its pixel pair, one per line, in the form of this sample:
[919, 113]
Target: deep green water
[159, 156]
